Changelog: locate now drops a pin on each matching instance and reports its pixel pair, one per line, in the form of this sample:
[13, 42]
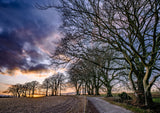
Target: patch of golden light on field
[36, 96]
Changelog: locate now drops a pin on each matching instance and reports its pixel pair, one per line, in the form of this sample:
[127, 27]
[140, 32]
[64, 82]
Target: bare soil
[55, 104]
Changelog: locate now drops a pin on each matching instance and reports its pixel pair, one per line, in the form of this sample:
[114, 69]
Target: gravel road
[105, 107]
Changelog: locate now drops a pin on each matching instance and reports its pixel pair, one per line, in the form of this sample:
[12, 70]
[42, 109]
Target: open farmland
[55, 104]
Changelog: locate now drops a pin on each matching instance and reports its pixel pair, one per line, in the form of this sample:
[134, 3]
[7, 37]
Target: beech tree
[12, 90]
[25, 88]
[93, 76]
[75, 79]
[29, 88]
[56, 81]
[109, 76]
[34, 85]
[46, 85]
[16, 90]
[131, 27]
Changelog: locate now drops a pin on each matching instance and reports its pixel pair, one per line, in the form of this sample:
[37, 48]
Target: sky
[28, 37]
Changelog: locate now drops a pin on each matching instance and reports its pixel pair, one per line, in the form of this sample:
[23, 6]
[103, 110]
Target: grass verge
[129, 107]
[156, 100]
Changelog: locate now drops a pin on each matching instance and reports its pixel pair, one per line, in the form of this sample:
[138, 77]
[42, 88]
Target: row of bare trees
[19, 90]
[28, 89]
[54, 82]
[129, 27]
[93, 77]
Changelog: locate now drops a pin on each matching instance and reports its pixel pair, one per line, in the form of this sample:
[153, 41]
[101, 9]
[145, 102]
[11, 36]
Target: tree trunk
[29, 92]
[55, 93]
[25, 93]
[60, 89]
[47, 89]
[33, 92]
[88, 90]
[52, 91]
[46, 92]
[97, 91]
[92, 90]
[148, 98]
[77, 91]
[140, 97]
[18, 95]
[147, 86]
[109, 92]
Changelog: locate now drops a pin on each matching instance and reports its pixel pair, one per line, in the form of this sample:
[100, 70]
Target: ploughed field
[53, 104]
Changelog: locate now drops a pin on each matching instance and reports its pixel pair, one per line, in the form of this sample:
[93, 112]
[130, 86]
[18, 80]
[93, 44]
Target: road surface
[105, 107]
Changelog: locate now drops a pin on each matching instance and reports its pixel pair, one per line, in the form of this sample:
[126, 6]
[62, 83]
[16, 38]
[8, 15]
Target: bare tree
[52, 84]
[55, 83]
[16, 90]
[59, 80]
[131, 27]
[46, 85]
[75, 79]
[105, 57]
[83, 74]
[34, 85]
[29, 87]
[12, 90]
[25, 88]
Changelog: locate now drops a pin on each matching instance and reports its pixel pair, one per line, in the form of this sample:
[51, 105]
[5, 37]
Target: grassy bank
[156, 100]
[129, 107]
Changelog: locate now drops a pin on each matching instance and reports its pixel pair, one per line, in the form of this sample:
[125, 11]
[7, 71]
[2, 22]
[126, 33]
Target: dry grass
[132, 108]
[38, 105]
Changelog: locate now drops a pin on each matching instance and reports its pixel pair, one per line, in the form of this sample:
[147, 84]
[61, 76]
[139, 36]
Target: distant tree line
[19, 90]
[54, 82]
[28, 89]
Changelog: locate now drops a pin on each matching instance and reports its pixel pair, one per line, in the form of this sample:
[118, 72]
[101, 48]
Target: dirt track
[56, 104]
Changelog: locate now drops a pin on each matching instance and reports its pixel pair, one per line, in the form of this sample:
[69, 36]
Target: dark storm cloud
[22, 27]
[38, 67]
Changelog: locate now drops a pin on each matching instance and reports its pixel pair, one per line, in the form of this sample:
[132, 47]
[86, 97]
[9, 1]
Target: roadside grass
[156, 100]
[114, 95]
[129, 107]
[155, 95]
